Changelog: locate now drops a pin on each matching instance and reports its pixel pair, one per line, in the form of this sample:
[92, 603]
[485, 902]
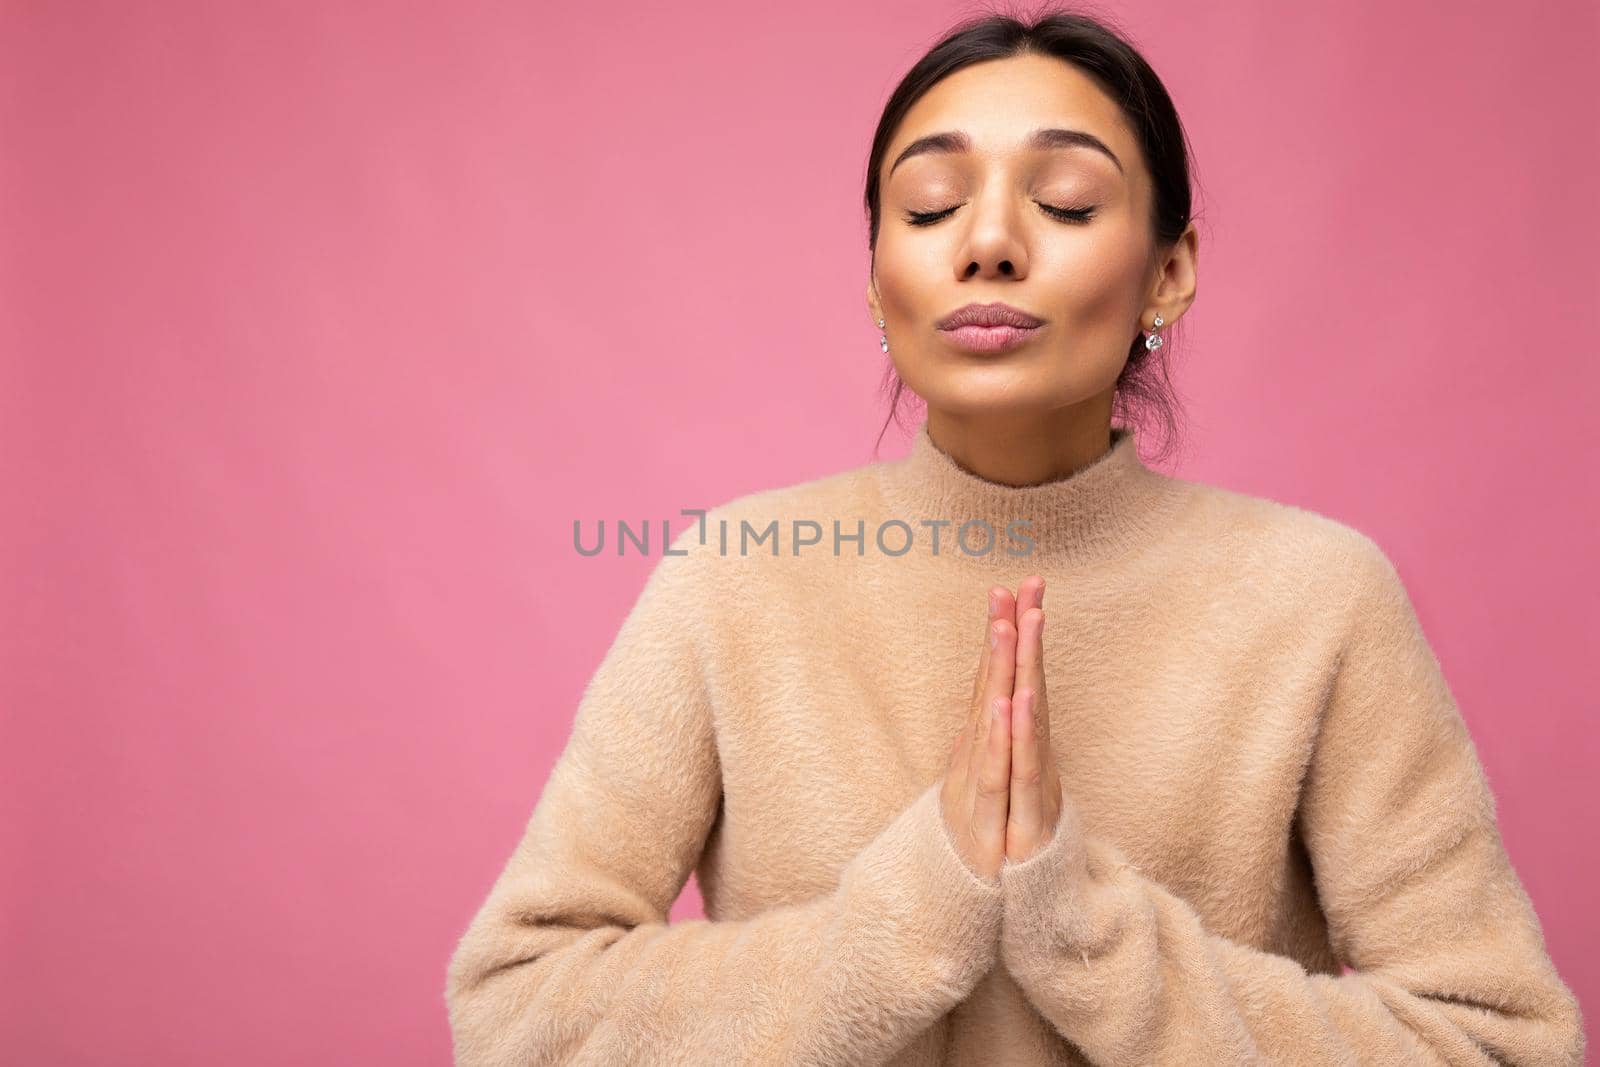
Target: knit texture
[1267, 781]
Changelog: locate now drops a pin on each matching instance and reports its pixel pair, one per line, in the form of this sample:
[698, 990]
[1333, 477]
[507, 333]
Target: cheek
[1098, 274]
[907, 275]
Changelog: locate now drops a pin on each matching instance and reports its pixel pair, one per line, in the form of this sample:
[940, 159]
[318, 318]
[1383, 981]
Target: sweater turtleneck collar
[1114, 504]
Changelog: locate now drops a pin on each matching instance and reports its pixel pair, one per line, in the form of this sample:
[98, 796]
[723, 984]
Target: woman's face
[1087, 268]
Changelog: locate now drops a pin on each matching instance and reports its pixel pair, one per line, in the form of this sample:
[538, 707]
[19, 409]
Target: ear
[1176, 278]
[872, 302]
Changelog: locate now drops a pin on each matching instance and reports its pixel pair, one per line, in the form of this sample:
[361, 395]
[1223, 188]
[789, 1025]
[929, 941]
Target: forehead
[998, 102]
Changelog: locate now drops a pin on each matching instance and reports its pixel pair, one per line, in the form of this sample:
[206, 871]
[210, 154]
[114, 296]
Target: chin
[987, 395]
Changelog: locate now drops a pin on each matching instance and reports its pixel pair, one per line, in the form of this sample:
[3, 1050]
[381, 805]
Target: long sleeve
[572, 960]
[1447, 957]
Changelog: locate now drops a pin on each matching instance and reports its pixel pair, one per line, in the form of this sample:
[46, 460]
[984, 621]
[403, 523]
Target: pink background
[322, 323]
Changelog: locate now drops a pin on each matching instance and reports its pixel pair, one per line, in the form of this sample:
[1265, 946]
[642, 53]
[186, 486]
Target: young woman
[1222, 810]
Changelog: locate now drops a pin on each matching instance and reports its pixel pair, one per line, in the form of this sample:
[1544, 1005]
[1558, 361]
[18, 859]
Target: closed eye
[927, 218]
[1073, 215]
[1070, 214]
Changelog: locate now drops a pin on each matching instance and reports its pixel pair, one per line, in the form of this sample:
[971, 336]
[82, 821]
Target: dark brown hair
[1144, 391]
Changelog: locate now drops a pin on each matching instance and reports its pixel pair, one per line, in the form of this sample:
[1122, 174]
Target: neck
[1019, 452]
[1108, 505]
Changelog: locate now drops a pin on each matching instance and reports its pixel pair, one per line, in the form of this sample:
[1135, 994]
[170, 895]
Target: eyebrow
[1038, 140]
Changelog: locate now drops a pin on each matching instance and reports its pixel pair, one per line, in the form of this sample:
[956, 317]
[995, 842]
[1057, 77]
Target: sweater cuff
[943, 914]
[1048, 900]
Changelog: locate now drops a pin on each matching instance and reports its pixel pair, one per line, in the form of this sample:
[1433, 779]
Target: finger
[1026, 814]
[993, 788]
[1001, 678]
[1000, 656]
[1030, 668]
[1030, 594]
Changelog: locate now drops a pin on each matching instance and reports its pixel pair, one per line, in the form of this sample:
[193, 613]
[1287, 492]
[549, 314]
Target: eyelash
[1072, 215]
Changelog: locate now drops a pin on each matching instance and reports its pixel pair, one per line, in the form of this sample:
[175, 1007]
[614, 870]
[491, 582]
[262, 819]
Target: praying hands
[1002, 793]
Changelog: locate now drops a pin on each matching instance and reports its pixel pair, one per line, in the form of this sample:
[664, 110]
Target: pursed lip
[995, 314]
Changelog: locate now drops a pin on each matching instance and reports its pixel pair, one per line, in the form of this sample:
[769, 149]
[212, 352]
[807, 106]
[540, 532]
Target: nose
[994, 247]
[1001, 268]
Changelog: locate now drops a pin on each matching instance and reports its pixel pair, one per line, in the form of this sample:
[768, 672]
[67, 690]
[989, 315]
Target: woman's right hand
[976, 794]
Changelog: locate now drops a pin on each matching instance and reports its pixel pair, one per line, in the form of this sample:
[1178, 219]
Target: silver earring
[1154, 340]
[883, 338]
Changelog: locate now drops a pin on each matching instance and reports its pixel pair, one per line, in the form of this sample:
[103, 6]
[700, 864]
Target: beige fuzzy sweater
[1279, 845]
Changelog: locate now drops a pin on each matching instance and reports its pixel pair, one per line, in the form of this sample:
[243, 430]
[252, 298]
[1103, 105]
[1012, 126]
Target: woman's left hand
[1035, 804]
